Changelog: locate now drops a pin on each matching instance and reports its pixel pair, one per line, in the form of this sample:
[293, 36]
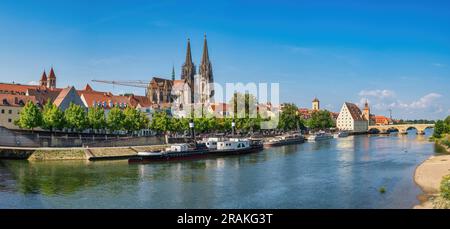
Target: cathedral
[191, 88]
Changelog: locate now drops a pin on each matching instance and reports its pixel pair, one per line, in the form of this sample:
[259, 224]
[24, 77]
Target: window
[10, 111]
[9, 120]
[3, 111]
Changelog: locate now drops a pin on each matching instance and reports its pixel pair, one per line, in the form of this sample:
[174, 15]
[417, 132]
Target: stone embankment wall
[47, 154]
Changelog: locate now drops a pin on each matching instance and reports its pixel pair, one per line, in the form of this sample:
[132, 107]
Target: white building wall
[346, 122]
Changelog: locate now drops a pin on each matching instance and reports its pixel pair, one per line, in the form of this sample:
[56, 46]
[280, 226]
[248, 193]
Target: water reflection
[65, 177]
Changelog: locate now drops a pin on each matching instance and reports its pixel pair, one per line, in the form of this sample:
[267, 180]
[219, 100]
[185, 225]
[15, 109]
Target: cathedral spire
[206, 76]
[188, 71]
[188, 53]
[43, 81]
[205, 55]
[173, 72]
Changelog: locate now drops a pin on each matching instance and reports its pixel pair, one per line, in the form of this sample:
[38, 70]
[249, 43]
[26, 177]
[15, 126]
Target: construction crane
[128, 83]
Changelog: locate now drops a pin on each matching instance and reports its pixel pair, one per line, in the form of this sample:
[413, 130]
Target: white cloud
[298, 49]
[381, 100]
[380, 94]
[439, 65]
[33, 83]
[425, 101]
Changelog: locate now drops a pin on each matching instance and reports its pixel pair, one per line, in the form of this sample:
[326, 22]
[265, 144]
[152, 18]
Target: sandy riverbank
[428, 176]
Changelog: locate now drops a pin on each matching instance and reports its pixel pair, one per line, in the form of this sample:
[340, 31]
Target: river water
[337, 173]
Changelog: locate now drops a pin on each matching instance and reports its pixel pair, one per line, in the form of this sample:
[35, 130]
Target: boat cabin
[178, 148]
[233, 144]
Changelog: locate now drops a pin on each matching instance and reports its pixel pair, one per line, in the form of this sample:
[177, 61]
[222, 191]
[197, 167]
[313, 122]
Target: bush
[446, 143]
[445, 187]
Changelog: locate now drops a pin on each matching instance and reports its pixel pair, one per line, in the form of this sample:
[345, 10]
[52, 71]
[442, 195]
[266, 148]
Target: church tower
[51, 79]
[316, 104]
[188, 70]
[206, 76]
[43, 81]
[366, 111]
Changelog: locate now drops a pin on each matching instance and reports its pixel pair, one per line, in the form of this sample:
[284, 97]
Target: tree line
[442, 127]
[76, 118]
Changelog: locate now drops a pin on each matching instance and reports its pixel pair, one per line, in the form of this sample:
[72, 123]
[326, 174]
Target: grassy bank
[442, 144]
[52, 155]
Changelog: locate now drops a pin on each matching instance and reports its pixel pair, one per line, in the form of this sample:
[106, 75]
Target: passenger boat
[284, 140]
[174, 152]
[319, 137]
[236, 146]
[341, 134]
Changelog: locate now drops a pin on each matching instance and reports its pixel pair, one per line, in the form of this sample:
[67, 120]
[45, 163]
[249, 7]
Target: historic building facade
[351, 119]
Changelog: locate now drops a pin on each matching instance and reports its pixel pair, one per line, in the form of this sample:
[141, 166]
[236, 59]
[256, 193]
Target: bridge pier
[420, 132]
[403, 132]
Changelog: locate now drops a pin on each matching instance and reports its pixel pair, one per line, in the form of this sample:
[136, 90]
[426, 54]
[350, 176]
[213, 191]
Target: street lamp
[233, 125]
[191, 126]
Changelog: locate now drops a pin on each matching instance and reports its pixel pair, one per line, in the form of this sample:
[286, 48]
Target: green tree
[244, 105]
[179, 125]
[96, 118]
[320, 120]
[143, 121]
[289, 118]
[132, 119]
[75, 117]
[445, 187]
[202, 124]
[161, 122]
[223, 124]
[52, 117]
[447, 124]
[245, 112]
[30, 117]
[114, 119]
[439, 129]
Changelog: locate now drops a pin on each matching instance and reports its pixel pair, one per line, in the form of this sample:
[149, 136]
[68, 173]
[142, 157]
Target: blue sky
[396, 54]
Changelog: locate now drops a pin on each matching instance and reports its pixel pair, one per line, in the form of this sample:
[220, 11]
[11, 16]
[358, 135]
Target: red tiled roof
[15, 100]
[52, 74]
[8, 88]
[220, 107]
[44, 76]
[88, 88]
[58, 100]
[381, 119]
[107, 100]
[355, 112]
[137, 100]
[44, 94]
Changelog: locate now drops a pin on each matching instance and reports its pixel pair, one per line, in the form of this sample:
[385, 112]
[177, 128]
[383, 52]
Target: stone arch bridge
[401, 128]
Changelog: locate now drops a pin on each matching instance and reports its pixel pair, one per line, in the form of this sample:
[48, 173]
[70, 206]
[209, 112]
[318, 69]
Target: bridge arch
[401, 128]
[375, 130]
